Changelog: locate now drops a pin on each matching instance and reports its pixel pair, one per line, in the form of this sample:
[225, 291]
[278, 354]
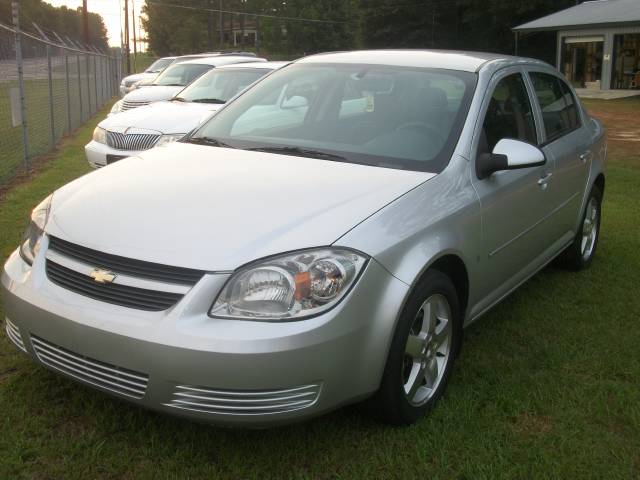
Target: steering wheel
[422, 127]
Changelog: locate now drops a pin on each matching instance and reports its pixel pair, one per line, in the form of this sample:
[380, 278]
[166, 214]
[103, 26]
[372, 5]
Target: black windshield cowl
[212, 142]
[300, 152]
[217, 101]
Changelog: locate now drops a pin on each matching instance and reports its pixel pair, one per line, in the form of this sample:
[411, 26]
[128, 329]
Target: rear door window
[559, 109]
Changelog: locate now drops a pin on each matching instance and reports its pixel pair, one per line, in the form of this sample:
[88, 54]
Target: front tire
[580, 253]
[424, 346]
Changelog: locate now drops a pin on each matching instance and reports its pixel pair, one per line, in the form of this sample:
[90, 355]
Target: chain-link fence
[47, 90]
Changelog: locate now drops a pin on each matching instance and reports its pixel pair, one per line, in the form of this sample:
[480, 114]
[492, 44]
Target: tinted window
[159, 65]
[220, 84]
[181, 74]
[559, 110]
[395, 117]
[509, 114]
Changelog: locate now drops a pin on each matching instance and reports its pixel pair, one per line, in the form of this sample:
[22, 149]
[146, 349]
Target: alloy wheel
[589, 229]
[427, 350]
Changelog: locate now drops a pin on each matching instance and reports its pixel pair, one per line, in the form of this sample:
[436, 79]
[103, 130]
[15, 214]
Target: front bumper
[100, 155]
[183, 362]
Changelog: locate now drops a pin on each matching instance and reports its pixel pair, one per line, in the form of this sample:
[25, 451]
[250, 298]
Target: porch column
[607, 61]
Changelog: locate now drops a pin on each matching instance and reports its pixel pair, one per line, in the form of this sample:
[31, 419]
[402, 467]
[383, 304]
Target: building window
[582, 61]
[626, 61]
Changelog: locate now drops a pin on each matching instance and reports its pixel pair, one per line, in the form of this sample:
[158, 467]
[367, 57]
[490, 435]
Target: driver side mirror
[509, 154]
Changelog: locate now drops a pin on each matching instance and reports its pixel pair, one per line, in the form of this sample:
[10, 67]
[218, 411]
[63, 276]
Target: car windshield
[159, 65]
[181, 74]
[219, 85]
[387, 116]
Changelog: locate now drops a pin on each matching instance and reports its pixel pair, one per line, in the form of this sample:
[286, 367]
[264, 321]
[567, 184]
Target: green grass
[547, 386]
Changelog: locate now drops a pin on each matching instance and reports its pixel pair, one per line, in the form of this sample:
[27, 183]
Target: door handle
[585, 156]
[543, 181]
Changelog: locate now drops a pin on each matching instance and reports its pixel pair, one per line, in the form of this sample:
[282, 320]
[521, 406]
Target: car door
[567, 142]
[515, 203]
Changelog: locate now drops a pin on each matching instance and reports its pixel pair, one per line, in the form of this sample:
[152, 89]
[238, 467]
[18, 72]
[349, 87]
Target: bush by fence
[46, 91]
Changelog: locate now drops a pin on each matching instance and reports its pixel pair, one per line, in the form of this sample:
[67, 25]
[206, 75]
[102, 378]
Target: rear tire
[423, 349]
[580, 253]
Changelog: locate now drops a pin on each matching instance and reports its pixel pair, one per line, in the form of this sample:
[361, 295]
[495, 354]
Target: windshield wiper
[209, 100]
[213, 142]
[179, 99]
[168, 85]
[302, 152]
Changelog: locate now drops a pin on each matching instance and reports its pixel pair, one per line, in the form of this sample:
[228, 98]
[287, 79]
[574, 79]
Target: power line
[260, 15]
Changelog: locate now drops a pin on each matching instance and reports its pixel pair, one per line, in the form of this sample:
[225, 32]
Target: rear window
[559, 109]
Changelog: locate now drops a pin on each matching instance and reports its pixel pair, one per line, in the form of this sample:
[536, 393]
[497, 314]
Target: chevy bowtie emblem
[102, 276]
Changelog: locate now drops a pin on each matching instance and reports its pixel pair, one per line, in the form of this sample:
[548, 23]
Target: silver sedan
[323, 240]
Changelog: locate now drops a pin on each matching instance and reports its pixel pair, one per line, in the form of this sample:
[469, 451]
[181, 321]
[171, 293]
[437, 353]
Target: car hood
[164, 117]
[151, 94]
[215, 209]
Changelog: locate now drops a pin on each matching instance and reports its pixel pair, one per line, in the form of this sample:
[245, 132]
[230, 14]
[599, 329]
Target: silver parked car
[322, 240]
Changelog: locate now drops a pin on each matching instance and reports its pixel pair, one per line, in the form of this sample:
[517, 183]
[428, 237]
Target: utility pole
[433, 26]
[126, 35]
[210, 26]
[133, 24]
[85, 22]
[221, 24]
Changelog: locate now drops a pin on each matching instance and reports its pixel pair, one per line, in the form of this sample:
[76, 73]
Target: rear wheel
[424, 346]
[580, 253]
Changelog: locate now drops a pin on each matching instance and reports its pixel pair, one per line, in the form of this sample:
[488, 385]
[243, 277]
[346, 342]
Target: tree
[175, 30]
[64, 21]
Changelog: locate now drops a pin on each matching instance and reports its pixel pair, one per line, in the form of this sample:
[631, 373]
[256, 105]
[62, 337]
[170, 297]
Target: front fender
[441, 216]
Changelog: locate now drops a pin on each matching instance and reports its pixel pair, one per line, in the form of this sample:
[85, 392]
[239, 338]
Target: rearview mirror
[294, 102]
[509, 154]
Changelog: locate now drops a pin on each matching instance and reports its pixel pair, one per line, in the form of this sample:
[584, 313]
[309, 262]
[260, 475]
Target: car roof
[446, 59]
[223, 60]
[261, 65]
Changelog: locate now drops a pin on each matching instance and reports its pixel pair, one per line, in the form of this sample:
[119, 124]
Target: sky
[110, 12]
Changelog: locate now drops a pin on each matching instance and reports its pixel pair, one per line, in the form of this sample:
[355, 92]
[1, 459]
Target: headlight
[290, 287]
[117, 107]
[100, 135]
[32, 236]
[164, 139]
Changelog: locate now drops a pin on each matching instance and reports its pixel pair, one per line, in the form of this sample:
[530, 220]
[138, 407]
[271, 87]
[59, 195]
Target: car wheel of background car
[423, 349]
[580, 253]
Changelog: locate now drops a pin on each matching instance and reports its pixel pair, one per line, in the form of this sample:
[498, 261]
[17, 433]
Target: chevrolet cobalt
[322, 240]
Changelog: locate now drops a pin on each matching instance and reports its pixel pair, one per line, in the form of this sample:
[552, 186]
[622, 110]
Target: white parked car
[128, 83]
[129, 133]
[148, 80]
[174, 78]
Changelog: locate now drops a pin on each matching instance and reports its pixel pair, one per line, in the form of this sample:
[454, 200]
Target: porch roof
[603, 13]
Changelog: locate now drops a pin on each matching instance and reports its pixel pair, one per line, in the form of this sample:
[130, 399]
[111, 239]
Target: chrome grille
[236, 402]
[104, 375]
[13, 332]
[128, 104]
[131, 141]
[123, 295]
